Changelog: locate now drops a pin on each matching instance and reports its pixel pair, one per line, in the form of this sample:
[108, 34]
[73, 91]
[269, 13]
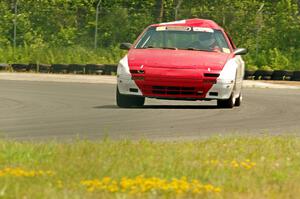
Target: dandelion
[234, 164]
[59, 184]
[247, 164]
[19, 172]
[141, 184]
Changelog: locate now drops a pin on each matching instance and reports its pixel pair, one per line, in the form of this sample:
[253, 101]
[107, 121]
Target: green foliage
[277, 60]
[269, 29]
[220, 161]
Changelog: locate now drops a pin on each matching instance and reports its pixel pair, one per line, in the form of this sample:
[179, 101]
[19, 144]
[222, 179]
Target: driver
[206, 41]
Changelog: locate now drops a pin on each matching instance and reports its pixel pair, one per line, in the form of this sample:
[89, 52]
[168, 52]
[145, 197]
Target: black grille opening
[187, 93]
[137, 71]
[158, 92]
[158, 87]
[134, 90]
[211, 75]
[187, 88]
[173, 90]
[213, 93]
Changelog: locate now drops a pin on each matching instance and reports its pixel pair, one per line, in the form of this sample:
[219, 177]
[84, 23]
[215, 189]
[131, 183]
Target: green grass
[275, 170]
[61, 55]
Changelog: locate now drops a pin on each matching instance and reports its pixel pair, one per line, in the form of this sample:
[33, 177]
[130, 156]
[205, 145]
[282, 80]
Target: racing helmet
[206, 38]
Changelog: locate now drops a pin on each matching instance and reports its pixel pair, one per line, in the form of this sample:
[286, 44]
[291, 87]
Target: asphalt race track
[39, 110]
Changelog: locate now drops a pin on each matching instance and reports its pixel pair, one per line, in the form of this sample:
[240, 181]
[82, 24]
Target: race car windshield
[184, 38]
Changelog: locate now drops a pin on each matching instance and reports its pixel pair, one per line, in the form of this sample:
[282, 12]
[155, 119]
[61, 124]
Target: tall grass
[66, 55]
[242, 167]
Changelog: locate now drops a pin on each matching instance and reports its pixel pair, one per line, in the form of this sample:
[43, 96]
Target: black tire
[296, 76]
[20, 67]
[228, 103]
[288, 76]
[238, 101]
[249, 74]
[94, 69]
[279, 74]
[126, 101]
[32, 67]
[44, 68]
[258, 74]
[76, 68]
[110, 68]
[59, 68]
[263, 74]
[266, 74]
[4, 66]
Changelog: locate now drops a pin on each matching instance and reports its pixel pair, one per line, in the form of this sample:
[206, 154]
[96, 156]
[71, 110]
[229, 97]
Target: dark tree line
[270, 29]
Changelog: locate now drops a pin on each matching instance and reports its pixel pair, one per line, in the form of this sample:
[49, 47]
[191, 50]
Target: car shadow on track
[161, 107]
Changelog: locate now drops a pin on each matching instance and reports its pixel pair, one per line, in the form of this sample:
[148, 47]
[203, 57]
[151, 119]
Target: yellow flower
[141, 184]
[18, 172]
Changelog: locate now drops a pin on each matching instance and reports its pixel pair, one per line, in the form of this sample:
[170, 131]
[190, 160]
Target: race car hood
[176, 59]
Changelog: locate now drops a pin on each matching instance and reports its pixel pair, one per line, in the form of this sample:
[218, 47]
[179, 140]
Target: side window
[230, 40]
[221, 41]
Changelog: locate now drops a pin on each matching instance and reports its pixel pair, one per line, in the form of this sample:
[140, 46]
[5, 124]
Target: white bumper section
[126, 85]
[222, 88]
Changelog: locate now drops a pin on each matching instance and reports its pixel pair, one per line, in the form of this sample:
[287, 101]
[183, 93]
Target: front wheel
[239, 100]
[228, 103]
[126, 101]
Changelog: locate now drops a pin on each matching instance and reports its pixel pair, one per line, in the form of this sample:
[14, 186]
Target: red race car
[191, 59]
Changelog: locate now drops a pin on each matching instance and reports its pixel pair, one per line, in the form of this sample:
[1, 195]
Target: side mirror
[125, 46]
[240, 51]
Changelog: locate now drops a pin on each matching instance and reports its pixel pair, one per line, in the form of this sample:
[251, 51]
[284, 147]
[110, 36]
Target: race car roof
[203, 23]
